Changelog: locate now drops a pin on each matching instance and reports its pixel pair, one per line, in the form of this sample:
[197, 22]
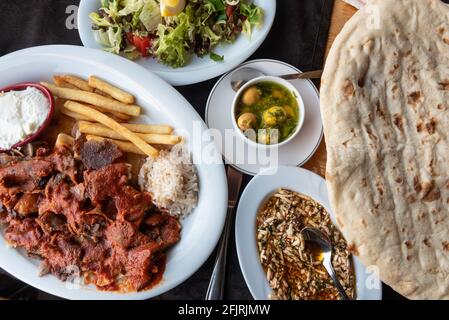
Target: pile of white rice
[172, 180]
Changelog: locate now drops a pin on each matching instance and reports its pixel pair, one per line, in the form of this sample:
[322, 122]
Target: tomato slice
[141, 43]
[230, 10]
[129, 37]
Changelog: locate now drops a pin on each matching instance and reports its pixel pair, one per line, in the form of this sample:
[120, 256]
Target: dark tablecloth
[298, 37]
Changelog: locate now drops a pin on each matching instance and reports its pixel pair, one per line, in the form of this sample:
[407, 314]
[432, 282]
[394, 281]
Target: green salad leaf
[130, 7]
[112, 9]
[131, 52]
[150, 16]
[197, 30]
[216, 57]
[171, 46]
[218, 4]
[99, 21]
[254, 17]
[136, 18]
[111, 39]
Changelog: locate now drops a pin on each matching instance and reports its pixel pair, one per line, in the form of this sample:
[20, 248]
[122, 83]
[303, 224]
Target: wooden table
[341, 13]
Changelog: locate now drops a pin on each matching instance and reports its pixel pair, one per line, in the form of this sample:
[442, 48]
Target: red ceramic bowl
[47, 93]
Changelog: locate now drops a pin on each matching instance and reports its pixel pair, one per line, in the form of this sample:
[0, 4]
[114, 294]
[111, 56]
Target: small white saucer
[296, 152]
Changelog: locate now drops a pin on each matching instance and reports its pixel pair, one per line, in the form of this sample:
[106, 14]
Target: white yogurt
[22, 113]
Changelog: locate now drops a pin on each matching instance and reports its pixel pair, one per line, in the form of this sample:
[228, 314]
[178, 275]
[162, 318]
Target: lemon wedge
[172, 7]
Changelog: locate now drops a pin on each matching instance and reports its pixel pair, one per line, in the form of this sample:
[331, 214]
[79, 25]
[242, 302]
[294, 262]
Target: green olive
[251, 96]
[274, 116]
[247, 121]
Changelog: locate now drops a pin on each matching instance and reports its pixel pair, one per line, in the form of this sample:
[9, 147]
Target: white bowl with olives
[268, 111]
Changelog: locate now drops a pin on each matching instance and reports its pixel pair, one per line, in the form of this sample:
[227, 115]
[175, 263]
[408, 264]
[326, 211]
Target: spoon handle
[340, 288]
[330, 270]
[305, 75]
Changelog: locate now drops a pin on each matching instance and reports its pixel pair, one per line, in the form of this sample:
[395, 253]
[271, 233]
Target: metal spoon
[243, 75]
[321, 240]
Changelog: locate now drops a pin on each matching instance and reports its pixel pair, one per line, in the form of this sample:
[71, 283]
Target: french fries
[98, 130]
[76, 82]
[71, 82]
[63, 84]
[74, 115]
[124, 146]
[119, 116]
[112, 124]
[93, 99]
[101, 93]
[149, 128]
[102, 111]
[64, 140]
[142, 128]
[114, 92]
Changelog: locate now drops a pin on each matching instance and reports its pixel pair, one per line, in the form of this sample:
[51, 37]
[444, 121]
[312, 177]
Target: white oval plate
[160, 103]
[260, 189]
[198, 69]
[245, 157]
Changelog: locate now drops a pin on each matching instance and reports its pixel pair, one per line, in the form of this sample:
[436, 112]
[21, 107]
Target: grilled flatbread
[385, 106]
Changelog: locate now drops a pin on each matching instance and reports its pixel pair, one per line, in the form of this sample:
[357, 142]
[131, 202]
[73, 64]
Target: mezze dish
[293, 269]
[384, 101]
[77, 205]
[268, 111]
[25, 110]
[172, 30]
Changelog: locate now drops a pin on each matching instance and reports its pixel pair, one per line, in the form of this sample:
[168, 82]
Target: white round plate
[198, 69]
[259, 190]
[296, 152]
[161, 103]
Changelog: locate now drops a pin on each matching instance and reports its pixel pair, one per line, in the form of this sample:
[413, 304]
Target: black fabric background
[298, 37]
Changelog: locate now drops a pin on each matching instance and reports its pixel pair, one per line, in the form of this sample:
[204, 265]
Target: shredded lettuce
[110, 39]
[209, 40]
[130, 7]
[190, 31]
[171, 46]
[150, 15]
[254, 17]
[131, 52]
[218, 4]
[197, 30]
[136, 18]
[112, 8]
[99, 21]
[216, 57]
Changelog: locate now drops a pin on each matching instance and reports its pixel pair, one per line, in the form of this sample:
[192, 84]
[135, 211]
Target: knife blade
[215, 291]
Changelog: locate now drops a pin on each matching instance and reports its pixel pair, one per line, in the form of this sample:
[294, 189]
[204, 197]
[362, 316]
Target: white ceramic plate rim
[215, 87]
[215, 194]
[205, 68]
[254, 195]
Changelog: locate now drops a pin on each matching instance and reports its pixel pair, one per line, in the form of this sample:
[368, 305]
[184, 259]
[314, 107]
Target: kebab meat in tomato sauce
[76, 209]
